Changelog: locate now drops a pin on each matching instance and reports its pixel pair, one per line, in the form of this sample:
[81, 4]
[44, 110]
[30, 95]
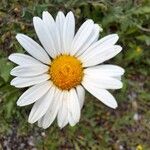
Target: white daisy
[58, 73]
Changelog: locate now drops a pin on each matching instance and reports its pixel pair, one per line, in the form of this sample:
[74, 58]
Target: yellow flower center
[66, 72]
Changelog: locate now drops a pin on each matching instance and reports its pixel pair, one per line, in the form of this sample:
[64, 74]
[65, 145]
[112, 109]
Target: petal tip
[70, 13]
[101, 29]
[10, 57]
[45, 127]
[12, 83]
[123, 71]
[12, 73]
[45, 12]
[60, 12]
[31, 121]
[18, 36]
[115, 107]
[36, 19]
[120, 48]
[18, 103]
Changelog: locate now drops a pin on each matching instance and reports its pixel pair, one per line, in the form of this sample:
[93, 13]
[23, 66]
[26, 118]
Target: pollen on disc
[66, 72]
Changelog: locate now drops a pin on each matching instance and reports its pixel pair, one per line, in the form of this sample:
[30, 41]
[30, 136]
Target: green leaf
[144, 38]
[5, 69]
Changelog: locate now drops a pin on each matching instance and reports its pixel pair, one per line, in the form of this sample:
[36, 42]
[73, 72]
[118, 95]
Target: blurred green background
[100, 128]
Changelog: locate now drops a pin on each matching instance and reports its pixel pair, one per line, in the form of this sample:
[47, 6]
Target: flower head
[58, 72]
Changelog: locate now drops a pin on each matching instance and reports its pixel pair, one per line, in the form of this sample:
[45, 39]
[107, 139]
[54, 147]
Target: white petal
[117, 77]
[28, 71]
[102, 82]
[40, 123]
[74, 107]
[71, 120]
[60, 19]
[65, 122]
[21, 82]
[23, 59]
[53, 29]
[81, 95]
[41, 106]
[101, 94]
[33, 48]
[44, 36]
[97, 56]
[52, 111]
[34, 93]
[48, 19]
[109, 39]
[62, 117]
[81, 36]
[105, 70]
[93, 37]
[68, 32]
[106, 41]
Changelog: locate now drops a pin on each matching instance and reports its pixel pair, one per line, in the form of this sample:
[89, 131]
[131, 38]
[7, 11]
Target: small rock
[43, 134]
[136, 117]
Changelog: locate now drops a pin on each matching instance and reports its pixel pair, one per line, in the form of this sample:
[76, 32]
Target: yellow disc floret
[66, 72]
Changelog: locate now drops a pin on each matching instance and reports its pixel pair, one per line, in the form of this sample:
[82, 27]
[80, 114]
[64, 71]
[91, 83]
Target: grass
[100, 128]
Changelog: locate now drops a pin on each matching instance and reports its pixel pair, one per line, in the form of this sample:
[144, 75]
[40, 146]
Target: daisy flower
[58, 72]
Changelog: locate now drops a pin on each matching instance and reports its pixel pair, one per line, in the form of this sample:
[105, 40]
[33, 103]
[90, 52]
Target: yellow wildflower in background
[139, 147]
[139, 49]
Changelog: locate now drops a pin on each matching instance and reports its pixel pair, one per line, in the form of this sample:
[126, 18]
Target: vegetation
[100, 128]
